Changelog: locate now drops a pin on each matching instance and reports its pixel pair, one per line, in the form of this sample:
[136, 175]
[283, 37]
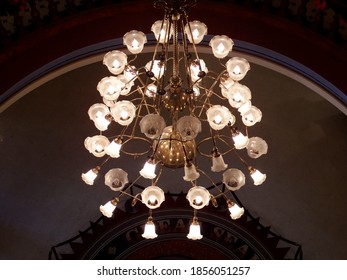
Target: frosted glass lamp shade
[115, 61]
[108, 209]
[157, 67]
[196, 32]
[188, 127]
[237, 68]
[238, 95]
[134, 40]
[98, 114]
[236, 211]
[116, 179]
[113, 149]
[194, 231]
[221, 46]
[152, 125]
[190, 173]
[240, 141]
[149, 232]
[257, 176]
[96, 145]
[148, 170]
[219, 116]
[151, 90]
[110, 87]
[234, 179]
[218, 163]
[90, 176]
[123, 112]
[161, 31]
[152, 197]
[252, 116]
[198, 197]
[256, 147]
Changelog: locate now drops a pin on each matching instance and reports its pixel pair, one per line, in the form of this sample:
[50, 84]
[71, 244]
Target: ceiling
[43, 200]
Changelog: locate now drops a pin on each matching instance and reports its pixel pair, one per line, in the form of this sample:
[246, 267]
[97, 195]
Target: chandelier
[180, 112]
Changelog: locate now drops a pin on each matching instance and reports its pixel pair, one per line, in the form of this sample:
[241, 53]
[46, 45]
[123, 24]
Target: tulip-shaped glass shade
[219, 116]
[90, 176]
[196, 32]
[110, 87]
[98, 114]
[115, 61]
[238, 95]
[234, 179]
[152, 125]
[134, 40]
[96, 145]
[240, 141]
[116, 179]
[198, 197]
[196, 90]
[194, 230]
[257, 176]
[218, 163]
[161, 31]
[237, 68]
[148, 170]
[252, 116]
[225, 83]
[123, 112]
[149, 232]
[190, 173]
[151, 90]
[221, 46]
[113, 149]
[256, 147]
[188, 127]
[152, 196]
[236, 211]
[157, 67]
[108, 208]
[197, 68]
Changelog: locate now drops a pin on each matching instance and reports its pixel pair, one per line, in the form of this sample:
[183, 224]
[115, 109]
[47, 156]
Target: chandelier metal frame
[175, 86]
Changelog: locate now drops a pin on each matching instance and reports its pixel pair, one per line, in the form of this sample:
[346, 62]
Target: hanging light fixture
[175, 105]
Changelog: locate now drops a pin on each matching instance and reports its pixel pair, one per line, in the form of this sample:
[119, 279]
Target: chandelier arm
[158, 176]
[210, 179]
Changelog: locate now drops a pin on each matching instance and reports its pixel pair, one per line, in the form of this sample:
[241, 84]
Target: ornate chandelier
[181, 112]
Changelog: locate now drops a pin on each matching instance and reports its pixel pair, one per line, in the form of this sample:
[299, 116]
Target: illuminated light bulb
[237, 70]
[240, 141]
[220, 47]
[124, 115]
[190, 173]
[218, 163]
[198, 197]
[149, 232]
[135, 43]
[116, 64]
[218, 119]
[195, 33]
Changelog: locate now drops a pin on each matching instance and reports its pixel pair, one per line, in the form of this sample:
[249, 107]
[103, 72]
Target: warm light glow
[171, 111]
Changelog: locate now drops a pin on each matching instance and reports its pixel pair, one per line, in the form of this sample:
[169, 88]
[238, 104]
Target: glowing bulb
[116, 63]
[162, 34]
[152, 199]
[198, 200]
[135, 43]
[195, 33]
[221, 47]
[218, 119]
[124, 115]
[237, 70]
[111, 89]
